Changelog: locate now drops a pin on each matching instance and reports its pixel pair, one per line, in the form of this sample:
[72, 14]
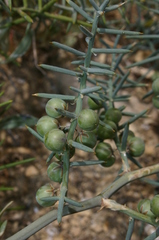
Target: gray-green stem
[113, 205]
[78, 109]
[125, 163]
[87, 204]
[64, 186]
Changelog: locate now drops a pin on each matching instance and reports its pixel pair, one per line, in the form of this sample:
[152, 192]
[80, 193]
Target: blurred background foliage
[25, 23]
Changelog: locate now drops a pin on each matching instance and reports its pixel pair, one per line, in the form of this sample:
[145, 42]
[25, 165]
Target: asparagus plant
[91, 127]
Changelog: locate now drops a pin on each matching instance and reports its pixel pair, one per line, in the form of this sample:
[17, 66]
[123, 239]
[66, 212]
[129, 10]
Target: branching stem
[87, 204]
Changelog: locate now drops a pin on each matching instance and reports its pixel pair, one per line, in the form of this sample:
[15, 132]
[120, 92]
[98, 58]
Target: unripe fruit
[45, 191]
[144, 207]
[109, 162]
[51, 106]
[87, 138]
[45, 124]
[93, 105]
[55, 140]
[154, 205]
[88, 120]
[130, 135]
[136, 146]
[104, 152]
[54, 172]
[106, 132]
[155, 101]
[113, 114]
[155, 86]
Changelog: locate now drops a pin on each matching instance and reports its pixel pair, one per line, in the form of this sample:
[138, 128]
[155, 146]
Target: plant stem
[49, 16]
[64, 186]
[110, 82]
[126, 167]
[87, 204]
[113, 205]
[78, 109]
[84, 77]
[125, 163]
[65, 19]
[9, 165]
[40, 5]
[130, 228]
[153, 235]
[25, 3]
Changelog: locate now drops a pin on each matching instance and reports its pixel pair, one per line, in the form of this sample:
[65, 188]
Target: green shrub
[107, 82]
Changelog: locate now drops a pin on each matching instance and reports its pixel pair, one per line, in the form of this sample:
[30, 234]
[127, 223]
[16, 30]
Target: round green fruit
[87, 138]
[88, 120]
[136, 146]
[113, 114]
[55, 140]
[144, 207]
[54, 172]
[93, 105]
[45, 124]
[45, 191]
[155, 86]
[154, 205]
[155, 101]
[51, 106]
[109, 162]
[108, 131]
[103, 151]
[130, 135]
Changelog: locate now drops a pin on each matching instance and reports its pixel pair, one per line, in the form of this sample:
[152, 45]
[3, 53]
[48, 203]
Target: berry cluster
[94, 127]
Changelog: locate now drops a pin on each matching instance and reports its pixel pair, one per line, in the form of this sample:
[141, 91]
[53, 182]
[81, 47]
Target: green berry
[45, 191]
[114, 115]
[88, 120]
[109, 162]
[130, 135]
[104, 152]
[51, 106]
[54, 172]
[155, 101]
[87, 138]
[45, 124]
[136, 146]
[155, 86]
[93, 105]
[154, 205]
[108, 131]
[55, 140]
[144, 207]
